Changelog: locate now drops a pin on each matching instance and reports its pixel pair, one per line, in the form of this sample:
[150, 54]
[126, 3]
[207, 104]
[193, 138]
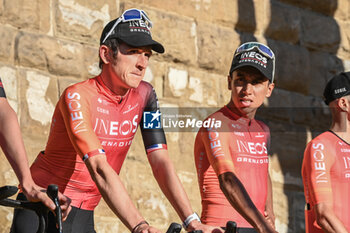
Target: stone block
[64, 82]
[292, 66]
[319, 32]
[46, 53]
[344, 46]
[246, 16]
[32, 15]
[180, 41]
[213, 11]
[195, 86]
[38, 97]
[305, 109]
[91, 61]
[7, 35]
[215, 47]
[277, 106]
[284, 23]
[8, 75]
[288, 143]
[206, 88]
[177, 80]
[326, 7]
[28, 50]
[343, 10]
[83, 20]
[323, 66]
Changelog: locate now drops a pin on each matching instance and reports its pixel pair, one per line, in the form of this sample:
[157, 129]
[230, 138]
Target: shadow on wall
[305, 38]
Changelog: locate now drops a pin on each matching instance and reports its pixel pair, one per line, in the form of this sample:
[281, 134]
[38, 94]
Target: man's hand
[270, 218]
[195, 225]
[145, 228]
[37, 194]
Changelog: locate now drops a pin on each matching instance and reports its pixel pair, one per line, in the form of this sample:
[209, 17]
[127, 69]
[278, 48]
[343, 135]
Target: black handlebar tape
[174, 228]
[7, 191]
[52, 192]
[231, 227]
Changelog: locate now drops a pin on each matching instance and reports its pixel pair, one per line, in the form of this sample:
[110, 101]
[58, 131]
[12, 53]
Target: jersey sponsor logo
[259, 135]
[251, 147]
[151, 120]
[102, 110]
[102, 101]
[346, 162]
[248, 159]
[253, 57]
[112, 143]
[319, 163]
[236, 126]
[130, 108]
[239, 134]
[215, 144]
[116, 128]
[75, 112]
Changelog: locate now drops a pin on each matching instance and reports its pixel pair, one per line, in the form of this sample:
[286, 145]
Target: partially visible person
[326, 165]
[12, 145]
[232, 160]
[92, 129]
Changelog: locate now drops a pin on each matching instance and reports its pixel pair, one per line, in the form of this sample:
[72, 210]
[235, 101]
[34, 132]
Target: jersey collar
[110, 94]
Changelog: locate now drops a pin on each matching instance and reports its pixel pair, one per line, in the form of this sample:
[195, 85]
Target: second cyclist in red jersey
[326, 165]
[232, 160]
[92, 129]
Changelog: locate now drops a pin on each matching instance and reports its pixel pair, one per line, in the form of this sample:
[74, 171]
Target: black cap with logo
[337, 87]
[134, 33]
[255, 59]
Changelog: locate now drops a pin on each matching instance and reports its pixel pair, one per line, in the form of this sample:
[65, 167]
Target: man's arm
[238, 197]
[13, 147]
[164, 172]
[115, 194]
[269, 213]
[327, 220]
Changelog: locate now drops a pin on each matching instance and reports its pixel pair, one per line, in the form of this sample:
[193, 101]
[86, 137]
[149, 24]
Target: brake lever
[52, 192]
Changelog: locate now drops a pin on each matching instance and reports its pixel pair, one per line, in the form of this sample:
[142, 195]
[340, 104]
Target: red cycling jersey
[238, 146]
[89, 119]
[326, 177]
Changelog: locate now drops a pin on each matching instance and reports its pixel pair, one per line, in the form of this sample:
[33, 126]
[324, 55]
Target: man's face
[129, 66]
[248, 88]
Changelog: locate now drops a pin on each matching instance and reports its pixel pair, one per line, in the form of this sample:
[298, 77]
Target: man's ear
[105, 54]
[270, 88]
[344, 104]
[229, 80]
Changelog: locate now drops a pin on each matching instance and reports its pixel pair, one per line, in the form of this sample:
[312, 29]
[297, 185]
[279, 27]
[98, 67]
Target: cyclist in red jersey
[13, 147]
[232, 160]
[92, 129]
[326, 165]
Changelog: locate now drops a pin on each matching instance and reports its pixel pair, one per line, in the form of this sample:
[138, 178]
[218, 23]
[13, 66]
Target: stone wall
[50, 44]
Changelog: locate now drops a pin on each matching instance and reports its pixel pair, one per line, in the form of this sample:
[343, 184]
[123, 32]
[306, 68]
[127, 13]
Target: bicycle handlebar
[39, 208]
[174, 228]
[231, 227]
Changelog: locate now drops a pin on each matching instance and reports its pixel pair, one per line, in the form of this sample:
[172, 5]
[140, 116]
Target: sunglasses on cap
[130, 15]
[262, 49]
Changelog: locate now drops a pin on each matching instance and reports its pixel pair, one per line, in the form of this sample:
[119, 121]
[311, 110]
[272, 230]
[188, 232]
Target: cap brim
[135, 41]
[256, 66]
